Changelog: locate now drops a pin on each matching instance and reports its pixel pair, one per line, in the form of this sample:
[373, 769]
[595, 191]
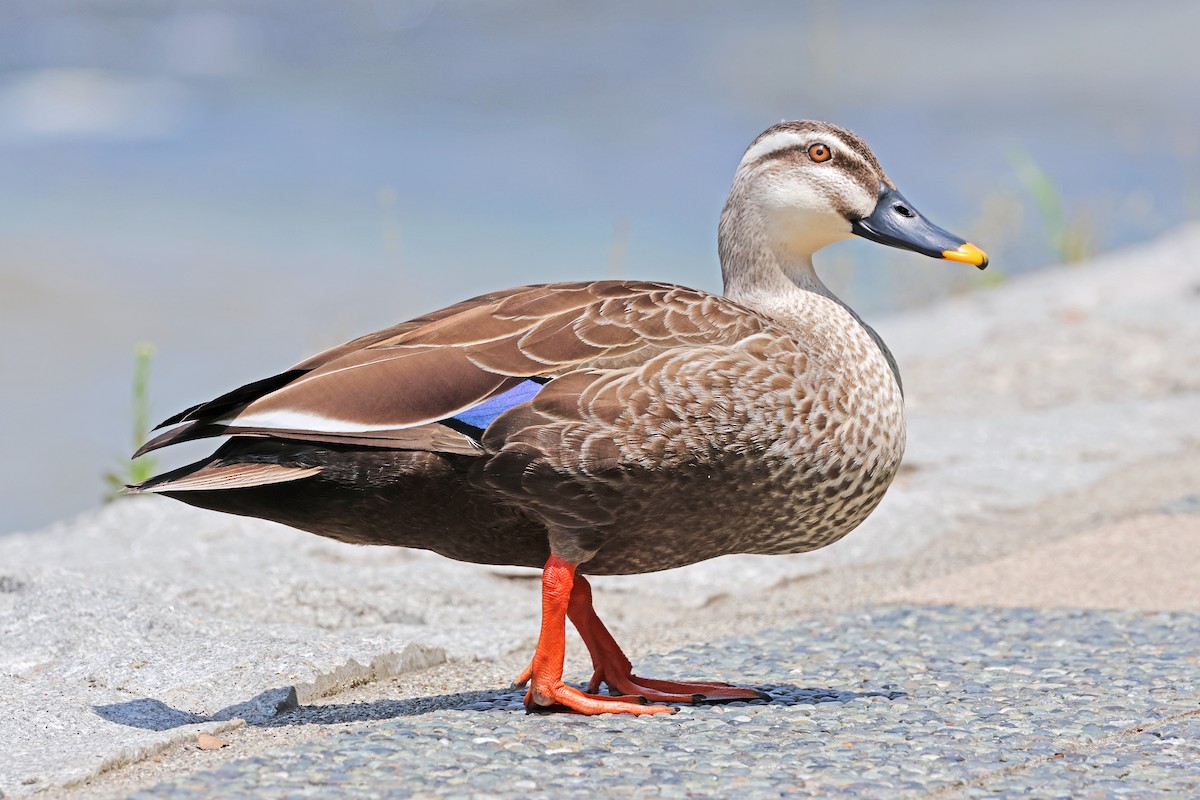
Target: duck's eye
[819, 152]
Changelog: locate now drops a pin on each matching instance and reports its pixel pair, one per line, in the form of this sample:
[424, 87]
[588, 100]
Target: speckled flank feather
[673, 425]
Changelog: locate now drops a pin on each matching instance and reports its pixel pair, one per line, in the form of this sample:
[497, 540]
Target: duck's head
[808, 184]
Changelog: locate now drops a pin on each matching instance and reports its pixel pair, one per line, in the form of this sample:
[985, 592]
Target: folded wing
[436, 382]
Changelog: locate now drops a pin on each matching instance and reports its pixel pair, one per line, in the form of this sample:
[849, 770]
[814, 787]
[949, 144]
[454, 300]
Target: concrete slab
[1150, 563]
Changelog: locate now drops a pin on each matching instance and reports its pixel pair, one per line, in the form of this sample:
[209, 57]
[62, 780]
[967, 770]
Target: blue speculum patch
[482, 415]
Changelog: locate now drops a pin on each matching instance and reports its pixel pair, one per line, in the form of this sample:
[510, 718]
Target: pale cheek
[803, 218]
[861, 201]
[793, 195]
[853, 196]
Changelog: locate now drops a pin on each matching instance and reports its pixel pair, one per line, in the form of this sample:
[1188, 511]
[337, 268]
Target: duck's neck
[777, 280]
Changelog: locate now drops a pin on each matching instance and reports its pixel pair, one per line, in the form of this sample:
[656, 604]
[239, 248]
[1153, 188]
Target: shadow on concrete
[279, 707]
[148, 714]
[155, 715]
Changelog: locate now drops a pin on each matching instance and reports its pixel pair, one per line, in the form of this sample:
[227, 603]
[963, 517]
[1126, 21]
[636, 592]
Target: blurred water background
[242, 182]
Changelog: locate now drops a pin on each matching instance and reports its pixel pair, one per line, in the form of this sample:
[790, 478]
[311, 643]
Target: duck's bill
[896, 223]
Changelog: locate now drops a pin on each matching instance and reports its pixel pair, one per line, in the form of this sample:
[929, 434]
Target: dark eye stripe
[849, 161]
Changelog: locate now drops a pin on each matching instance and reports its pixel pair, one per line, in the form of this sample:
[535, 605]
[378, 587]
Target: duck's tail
[206, 476]
[228, 468]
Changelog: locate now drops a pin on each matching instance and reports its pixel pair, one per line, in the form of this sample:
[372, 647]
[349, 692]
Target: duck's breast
[769, 445]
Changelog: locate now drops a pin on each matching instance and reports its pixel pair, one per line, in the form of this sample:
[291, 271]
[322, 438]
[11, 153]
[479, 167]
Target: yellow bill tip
[967, 253]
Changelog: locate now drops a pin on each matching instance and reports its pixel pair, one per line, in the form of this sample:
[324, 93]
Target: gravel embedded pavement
[1019, 617]
[881, 702]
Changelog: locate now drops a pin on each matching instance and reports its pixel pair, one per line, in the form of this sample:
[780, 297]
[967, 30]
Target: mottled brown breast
[780, 442]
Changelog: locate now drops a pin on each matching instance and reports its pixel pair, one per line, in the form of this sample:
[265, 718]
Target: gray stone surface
[118, 626]
[883, 703]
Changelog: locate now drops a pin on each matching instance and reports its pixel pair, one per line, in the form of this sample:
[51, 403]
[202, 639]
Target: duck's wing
[437, 382]
[241, 396]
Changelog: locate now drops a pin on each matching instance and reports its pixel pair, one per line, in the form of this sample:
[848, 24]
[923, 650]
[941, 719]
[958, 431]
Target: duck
[602, 427]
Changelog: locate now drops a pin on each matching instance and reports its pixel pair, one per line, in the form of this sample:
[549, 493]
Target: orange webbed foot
[614, 669]
[673, 691]
[558, 696]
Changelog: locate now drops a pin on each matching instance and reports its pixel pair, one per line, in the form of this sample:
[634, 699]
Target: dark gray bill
[896, 223]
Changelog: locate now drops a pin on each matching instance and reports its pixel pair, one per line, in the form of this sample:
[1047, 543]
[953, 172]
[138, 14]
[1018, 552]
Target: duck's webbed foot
[615, 670]
[659, 691]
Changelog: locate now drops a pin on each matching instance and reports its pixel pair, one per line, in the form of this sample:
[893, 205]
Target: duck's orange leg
[546, 687]
[614, 668]
[611, 665]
